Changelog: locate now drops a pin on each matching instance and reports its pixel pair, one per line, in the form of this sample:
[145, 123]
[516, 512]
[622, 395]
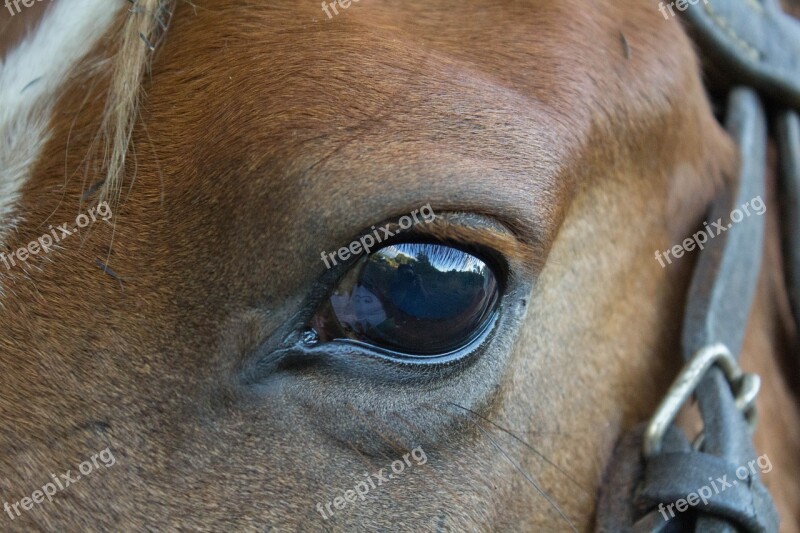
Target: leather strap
[759, 47]
[756, 42]
[640, 490]
[675, 476]
[725, 278]
[789, 145]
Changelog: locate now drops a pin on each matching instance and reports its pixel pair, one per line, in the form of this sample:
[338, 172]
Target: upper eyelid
[470, 230]
[466, 230]
[458, 227]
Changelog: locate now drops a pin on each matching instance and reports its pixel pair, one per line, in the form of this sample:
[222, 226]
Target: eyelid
[293, 344]
[350, 347]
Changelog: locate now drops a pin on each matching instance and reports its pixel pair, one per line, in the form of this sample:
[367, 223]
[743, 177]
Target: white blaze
[31, 76]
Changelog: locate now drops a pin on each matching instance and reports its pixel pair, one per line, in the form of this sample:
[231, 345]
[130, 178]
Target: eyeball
[415, 299]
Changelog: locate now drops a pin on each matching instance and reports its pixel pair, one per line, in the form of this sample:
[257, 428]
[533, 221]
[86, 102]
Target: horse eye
[419, 299]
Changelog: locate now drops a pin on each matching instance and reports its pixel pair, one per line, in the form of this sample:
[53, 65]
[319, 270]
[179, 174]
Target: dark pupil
[414, 298]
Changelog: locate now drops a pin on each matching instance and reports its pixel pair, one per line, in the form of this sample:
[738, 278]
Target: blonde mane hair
[143, 29]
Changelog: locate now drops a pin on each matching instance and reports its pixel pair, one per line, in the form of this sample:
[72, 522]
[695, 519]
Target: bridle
[655, 465]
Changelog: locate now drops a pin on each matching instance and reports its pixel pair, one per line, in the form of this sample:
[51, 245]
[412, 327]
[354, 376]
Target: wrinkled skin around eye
[412, 298]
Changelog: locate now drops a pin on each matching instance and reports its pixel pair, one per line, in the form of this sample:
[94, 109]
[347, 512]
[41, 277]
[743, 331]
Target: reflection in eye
[415, 298]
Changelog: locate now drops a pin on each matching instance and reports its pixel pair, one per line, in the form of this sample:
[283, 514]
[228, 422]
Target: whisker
[529, 446]
[359, 414]
[528, 477]
[522, 471]
[105, 268]
[433, 470]
[413, 427]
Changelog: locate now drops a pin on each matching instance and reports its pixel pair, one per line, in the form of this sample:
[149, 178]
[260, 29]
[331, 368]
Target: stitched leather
[755, 41]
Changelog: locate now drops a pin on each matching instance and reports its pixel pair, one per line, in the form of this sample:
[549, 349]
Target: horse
[170, 171]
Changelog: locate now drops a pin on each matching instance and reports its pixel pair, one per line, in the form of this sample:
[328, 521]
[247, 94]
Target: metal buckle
[744, 386]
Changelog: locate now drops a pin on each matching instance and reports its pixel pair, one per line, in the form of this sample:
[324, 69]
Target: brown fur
[270, 133]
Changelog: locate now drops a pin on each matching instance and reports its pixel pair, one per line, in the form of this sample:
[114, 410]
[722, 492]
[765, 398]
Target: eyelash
[344, 252]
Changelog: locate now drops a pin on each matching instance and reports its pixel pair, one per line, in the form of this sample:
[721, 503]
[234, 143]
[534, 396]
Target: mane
[142, 31]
